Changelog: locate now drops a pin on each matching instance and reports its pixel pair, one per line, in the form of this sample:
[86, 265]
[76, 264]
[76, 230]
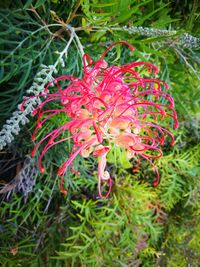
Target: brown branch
[72, 15]
[38, 16]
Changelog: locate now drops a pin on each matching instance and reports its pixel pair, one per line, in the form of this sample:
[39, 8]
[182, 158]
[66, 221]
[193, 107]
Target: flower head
[110, 105]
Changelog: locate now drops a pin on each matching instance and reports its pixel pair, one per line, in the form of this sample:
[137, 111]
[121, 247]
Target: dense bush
[137, 225]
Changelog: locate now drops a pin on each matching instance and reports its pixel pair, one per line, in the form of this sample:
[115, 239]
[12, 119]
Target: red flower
[110, 105]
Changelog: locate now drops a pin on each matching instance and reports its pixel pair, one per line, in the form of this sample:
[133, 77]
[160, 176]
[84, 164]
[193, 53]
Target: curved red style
[118, 105]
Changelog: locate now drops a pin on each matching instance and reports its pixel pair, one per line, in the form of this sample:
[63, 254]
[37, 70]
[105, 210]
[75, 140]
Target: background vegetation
[137, 225]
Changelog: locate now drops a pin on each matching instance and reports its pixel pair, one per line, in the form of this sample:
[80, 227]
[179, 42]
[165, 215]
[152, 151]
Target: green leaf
[39, 3]
[126, 13]
[118, 156]
[24, 77]
[28, 3]
[103, 5]
[149, 15]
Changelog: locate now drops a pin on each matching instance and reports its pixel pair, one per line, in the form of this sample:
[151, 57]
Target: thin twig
[187, 63]
[73, 13]
[72, 30]
[37, 15]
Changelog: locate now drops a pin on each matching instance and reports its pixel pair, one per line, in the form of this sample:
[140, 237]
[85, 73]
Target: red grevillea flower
[110, 105]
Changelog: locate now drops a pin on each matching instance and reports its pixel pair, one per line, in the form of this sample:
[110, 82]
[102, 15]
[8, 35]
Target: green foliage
[182, 239]
[115, 229]
[180, 173]
[118, 11]
[118, 156]
[138, 225]
[27, 40]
